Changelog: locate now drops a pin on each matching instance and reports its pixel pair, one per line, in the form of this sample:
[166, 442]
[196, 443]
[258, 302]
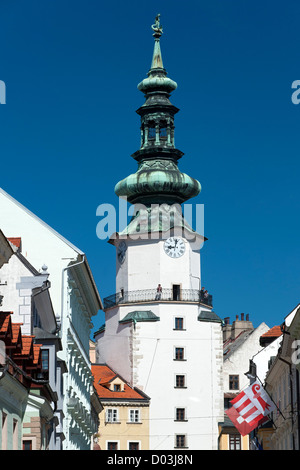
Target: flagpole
[271, 400]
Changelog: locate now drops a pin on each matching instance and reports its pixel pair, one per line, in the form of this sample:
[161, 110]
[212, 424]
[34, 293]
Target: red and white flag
[250, 408]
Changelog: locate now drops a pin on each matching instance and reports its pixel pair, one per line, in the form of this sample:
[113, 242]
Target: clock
[121, 252]
[174, 247]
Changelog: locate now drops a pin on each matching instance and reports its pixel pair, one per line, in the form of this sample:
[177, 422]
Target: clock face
[174, 247]
[121, 253]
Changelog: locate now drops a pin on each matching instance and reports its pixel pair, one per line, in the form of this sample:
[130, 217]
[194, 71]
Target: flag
[250, 408]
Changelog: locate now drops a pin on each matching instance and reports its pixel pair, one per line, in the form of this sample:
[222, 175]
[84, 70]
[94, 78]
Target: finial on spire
[157, 27]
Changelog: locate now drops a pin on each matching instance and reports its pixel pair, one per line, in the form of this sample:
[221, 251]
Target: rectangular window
[134, 416]
[134, 446]
[111, 415]
[117, 387]
[112, 445]
[45, 359]
[179, 354]
[180, 381]
[235, 442]
[180, 414]
[178, 323]
[180, 440]
[234, 382]
[27, 445]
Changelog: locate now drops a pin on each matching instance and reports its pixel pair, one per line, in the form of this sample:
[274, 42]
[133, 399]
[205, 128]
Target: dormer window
[116, 385]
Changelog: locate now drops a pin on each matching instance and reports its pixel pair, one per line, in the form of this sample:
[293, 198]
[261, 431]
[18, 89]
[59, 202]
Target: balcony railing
[150, 295]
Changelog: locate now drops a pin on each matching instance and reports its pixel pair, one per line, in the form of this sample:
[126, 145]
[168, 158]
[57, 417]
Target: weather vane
[157, 27]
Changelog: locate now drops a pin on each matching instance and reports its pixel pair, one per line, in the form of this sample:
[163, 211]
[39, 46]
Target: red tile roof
[274, 332]
[15, 241]
[21, 348]
[103, 375]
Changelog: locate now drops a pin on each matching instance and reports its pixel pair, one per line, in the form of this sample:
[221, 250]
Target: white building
[160, 333]
[75, 300]
[239, 348]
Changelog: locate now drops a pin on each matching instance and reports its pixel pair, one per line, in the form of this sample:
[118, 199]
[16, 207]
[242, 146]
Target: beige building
[124, 420]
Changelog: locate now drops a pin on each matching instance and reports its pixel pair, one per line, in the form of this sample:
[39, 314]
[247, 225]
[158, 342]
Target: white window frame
[112, 415]
[135, 442]
[185, 380]
[114, 441]
[184, 353]
[185, 441]
[136, 414]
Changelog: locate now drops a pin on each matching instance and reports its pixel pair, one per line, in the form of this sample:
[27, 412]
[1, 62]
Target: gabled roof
[273, 332]
[40, 221]
[270, 335]
[85, 267]
[103, 375]
[16, 241]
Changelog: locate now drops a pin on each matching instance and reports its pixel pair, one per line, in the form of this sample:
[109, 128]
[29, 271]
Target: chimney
[239, 326]
[226, 329]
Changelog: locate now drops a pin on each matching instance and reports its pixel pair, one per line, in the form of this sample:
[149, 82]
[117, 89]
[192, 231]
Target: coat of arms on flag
[250, 408]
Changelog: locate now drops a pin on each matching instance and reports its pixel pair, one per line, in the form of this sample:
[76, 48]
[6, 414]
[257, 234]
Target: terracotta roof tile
[27, 346]
[4, 322]
[36, 353]
[103, 375]
[274, 332]
[15, 241]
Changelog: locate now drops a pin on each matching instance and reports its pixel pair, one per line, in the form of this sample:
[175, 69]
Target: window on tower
[179, 323]
[180, 381]
[180, 441]
[179, 354]
[180, 414]
[162, 133]
[151, 133]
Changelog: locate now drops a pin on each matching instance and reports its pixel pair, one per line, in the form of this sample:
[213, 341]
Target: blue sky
[69, 126]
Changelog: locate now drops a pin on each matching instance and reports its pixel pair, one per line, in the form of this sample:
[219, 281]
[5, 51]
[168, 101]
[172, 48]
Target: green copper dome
[158, 185]
[158, 179]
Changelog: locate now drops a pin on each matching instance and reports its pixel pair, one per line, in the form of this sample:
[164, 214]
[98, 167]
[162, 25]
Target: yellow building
[124, 420]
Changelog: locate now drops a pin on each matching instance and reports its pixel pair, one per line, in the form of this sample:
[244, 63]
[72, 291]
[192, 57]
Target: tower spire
[158, 179]
[157, 61]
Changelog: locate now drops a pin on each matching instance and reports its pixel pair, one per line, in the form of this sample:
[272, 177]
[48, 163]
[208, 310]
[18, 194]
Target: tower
[160, 332]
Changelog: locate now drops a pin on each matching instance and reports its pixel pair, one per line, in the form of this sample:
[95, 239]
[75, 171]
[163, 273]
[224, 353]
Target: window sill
[180, 420]
[134, 422]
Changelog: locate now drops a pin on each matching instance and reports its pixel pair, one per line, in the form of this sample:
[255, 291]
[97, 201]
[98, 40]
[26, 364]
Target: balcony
[176, 294]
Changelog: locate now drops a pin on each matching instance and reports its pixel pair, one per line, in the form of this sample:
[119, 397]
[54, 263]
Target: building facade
[75, 301]
[161, 333]
[124, 420]
[283, 385]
